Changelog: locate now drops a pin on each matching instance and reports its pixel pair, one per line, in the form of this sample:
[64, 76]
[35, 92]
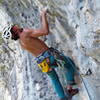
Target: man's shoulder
[26, 32]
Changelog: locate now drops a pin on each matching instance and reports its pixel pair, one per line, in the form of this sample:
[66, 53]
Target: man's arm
[44, 30]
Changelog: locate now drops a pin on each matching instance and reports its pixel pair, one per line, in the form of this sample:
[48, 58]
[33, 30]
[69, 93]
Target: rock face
[74, 30]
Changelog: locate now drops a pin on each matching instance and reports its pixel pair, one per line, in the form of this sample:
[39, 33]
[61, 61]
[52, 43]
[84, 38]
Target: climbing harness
[42, 61]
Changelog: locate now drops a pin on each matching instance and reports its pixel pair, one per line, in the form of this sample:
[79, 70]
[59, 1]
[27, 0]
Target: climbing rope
[85, 87]
[81, 76]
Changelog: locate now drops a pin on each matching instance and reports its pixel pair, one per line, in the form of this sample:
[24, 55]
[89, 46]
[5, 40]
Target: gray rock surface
[74, 30]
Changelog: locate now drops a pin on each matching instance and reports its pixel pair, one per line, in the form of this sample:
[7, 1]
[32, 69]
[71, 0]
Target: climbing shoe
[72, 92]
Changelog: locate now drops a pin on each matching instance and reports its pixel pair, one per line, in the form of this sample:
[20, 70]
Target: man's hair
[15, 36]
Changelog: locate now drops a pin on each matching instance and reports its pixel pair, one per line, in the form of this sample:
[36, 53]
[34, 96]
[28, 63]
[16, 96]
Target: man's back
[32, 44]
[29, 37]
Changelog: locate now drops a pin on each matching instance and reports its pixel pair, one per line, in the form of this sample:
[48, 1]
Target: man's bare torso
[32, 44]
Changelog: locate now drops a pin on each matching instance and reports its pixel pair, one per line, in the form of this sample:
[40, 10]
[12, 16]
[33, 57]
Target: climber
[47, 58]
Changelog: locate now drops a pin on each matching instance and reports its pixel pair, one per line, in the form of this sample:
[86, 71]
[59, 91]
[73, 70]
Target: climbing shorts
[42, 61]
[55, 58]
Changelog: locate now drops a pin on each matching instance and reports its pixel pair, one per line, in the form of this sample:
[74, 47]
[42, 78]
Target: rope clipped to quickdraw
[60, 63]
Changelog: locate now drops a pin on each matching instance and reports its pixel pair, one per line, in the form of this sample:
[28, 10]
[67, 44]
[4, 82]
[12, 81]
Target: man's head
[12, 32]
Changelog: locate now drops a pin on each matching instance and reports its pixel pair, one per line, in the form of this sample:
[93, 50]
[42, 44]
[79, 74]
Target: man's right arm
[44, 30]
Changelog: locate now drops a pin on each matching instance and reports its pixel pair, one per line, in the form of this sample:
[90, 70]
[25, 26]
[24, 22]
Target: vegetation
[2, 68]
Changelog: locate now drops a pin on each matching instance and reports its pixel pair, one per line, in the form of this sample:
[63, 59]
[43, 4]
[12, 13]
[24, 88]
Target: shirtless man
[29, 41]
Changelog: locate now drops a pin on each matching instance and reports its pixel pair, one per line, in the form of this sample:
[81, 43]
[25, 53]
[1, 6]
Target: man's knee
[52, 74]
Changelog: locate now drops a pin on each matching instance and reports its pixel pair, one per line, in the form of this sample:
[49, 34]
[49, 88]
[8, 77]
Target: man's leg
[70, 71]
[69, 65]
[56, 84]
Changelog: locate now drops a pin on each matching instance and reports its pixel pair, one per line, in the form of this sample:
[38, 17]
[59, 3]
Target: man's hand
[43, 11]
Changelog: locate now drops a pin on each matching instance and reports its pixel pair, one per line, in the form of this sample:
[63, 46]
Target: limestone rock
[74, 30]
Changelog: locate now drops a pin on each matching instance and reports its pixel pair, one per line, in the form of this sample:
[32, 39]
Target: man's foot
[73, 92]
[69, 90]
